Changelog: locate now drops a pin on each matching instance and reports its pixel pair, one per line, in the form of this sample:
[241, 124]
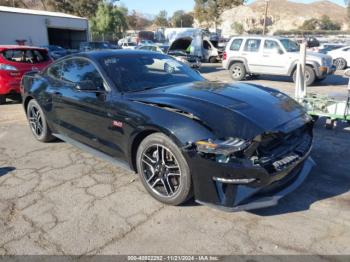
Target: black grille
[278, 151]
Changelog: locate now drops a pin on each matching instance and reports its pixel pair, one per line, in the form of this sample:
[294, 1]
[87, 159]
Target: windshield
[136, 72]
[290, 46]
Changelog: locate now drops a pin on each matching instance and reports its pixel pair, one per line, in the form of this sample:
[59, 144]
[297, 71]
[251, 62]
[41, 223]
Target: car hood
[240, 110]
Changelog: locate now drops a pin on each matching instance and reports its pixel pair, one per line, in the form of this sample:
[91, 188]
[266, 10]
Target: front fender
[179, 128]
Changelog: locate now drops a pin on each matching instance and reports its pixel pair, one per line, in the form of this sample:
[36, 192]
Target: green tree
[209, 11]
[84, 8]
[182, 19]
[324, 23]
[238, 27]
[109, 19]
[327, 24]
[310, 24]
[161, 19]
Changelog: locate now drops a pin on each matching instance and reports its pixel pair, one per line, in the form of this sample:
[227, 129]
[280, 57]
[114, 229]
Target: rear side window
[236, 45]
[252, 45]
[29, 56]
[206, 45]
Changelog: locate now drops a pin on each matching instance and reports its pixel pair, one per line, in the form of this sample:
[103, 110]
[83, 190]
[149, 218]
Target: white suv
[259, 55]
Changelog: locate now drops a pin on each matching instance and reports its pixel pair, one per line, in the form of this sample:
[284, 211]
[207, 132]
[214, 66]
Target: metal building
[33, 27]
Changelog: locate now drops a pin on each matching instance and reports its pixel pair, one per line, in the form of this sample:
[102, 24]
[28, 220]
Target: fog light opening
[234, 181]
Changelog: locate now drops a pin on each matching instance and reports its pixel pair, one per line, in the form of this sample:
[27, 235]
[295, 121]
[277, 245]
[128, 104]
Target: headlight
[225, 148]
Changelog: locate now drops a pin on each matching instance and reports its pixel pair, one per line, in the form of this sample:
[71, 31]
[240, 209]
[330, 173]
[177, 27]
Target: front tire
[238, 71]
[310, 75]
[340, 63]
[163, 170]
[37, 122]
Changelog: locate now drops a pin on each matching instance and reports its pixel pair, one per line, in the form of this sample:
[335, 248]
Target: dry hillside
[283, 14]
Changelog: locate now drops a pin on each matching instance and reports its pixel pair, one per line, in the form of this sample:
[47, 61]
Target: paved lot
[56, 199]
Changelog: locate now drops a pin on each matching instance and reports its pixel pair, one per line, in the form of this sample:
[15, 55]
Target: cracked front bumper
[263, 197]
[243, 185]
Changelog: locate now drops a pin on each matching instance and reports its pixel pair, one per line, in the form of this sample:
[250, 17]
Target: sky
[152, 7]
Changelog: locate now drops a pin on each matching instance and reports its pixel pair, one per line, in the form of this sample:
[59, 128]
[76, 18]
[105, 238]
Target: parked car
[190, 60]
[203, 48]
[128, 45]
[89, 46]
[325, 48]
[15, 61]
[56, 52]
[236, 146]
[153, 48]
[312, 42]
[259, 55]
[341, 57]
[146, 42]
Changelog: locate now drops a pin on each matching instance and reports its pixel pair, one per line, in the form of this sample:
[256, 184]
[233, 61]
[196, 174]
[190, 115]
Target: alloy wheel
[161, 170]
[340, 64]
[35, 121]
[236, 72]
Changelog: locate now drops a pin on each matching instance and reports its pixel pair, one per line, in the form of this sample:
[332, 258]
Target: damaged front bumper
[240, 184]
[258, 201]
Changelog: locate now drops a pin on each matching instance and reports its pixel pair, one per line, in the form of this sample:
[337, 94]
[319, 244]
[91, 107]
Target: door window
[271, 46]
[236, 45]
[78, 70]
[206, 45]
[252, 45]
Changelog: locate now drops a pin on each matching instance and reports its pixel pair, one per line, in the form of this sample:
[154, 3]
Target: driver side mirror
[86, 85]
[278, 51]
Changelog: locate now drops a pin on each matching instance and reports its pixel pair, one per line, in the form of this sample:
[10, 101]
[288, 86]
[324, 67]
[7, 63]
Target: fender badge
[117, 124]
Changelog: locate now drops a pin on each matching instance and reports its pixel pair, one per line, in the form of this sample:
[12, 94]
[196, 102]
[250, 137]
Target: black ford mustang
[235, 146]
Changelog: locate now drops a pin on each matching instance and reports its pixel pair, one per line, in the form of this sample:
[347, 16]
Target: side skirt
[94, 152]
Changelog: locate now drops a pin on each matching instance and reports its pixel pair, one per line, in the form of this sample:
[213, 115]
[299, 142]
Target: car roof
[19, 47]
[98, 54]
[261, 36]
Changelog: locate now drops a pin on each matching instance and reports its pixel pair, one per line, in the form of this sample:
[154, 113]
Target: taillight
[7, 67]
[224, 56]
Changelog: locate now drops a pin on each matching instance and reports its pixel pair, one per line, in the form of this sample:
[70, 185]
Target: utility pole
[265, 15]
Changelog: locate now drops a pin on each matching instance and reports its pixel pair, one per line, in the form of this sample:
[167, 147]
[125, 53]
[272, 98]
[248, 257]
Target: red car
[15, 61]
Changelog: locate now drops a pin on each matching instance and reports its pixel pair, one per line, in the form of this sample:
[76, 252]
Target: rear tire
[159, 159]
[238, 71]
[212, 60]
[37, 122]
[340, 63]
[2, 100]
[309, 75]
